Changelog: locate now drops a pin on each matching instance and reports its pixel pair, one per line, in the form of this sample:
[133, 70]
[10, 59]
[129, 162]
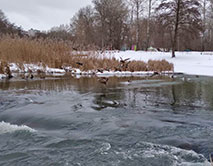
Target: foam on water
[105, 147]
[180, 157]
[10, 128]
[152, 153]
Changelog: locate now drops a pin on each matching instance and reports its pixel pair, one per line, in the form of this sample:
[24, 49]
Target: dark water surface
[80, 122]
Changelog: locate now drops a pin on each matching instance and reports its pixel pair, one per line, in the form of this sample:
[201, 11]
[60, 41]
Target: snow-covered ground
[193, 63]
[34, 68]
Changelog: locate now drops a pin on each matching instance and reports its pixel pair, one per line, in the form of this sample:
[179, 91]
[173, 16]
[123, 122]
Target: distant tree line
[164, 24]
[119, 24]
[8, 28]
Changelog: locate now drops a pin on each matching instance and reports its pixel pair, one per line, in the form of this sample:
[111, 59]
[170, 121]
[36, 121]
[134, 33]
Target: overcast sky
[41, 14]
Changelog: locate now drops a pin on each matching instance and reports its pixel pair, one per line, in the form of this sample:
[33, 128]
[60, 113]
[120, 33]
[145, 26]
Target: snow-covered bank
[2, 76]
[34, 68]
[192, 63]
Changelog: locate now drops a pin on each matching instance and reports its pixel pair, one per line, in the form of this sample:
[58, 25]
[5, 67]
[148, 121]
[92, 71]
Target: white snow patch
[32, 67]
[14, 67]
[35, 67]
[2, 76]
[123, 73]
[193, 63]
[76, 71]
[54, 70]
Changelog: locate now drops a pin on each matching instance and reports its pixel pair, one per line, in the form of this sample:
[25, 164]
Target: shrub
[137, 66]
[159, 66]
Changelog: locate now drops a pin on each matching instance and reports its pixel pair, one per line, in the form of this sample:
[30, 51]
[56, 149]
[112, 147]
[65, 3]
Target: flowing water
[128, 122]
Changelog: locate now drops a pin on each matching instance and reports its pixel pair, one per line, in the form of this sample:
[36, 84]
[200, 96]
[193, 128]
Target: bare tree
[148, 24]
[3, 23]
[177, 24]
[204, 23]
[209, 25]
[151, 4]
[137, 9]
[8, 28]
[111, 16]
[180, 15]
[82, 26]
[61, 32]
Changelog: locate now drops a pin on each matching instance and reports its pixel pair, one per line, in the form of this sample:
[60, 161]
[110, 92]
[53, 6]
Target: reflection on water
[129, 121]
[196, 92]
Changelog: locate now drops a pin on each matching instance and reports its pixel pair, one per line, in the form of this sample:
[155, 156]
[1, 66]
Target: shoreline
[54, 72]
[185, 63]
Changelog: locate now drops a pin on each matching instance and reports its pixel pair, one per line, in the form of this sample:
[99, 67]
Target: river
[140, 121]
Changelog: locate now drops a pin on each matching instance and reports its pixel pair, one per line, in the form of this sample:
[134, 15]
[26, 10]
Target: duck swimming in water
[103, 80]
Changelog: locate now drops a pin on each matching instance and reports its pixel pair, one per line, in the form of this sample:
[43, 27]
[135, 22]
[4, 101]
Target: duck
[79, 63]
[124, 60]
[100, 70]
[8, 72]
[41, 74]
[103, 80]
[31, 76]
[155, 74]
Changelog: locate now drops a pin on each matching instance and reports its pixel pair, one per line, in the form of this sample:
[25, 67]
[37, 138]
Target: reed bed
[137, 66]
[26, 50]
[159, 66]
[60, 54]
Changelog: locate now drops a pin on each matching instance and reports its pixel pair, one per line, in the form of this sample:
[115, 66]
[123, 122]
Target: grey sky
[41, 14]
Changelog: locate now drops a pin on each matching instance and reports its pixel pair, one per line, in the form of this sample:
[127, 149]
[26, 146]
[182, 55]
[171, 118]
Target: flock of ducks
[103, 80]
[30, 75]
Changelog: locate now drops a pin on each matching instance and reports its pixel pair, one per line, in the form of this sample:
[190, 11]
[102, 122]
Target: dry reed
[26, 50]
[159, 66]
[59, 54]
[3, 67]
[137, 66]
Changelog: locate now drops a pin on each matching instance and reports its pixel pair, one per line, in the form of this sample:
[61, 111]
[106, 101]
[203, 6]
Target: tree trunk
[131, 26]
[138, 23]
[174, 43]
[148, 25]
[204, 26]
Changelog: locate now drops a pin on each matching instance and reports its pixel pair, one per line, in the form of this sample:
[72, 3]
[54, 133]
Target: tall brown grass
[159, 66]
[59, 54]
[3, 67]
[137, 66]
[26, 50]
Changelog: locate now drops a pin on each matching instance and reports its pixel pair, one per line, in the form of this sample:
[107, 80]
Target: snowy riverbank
[192, 63]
